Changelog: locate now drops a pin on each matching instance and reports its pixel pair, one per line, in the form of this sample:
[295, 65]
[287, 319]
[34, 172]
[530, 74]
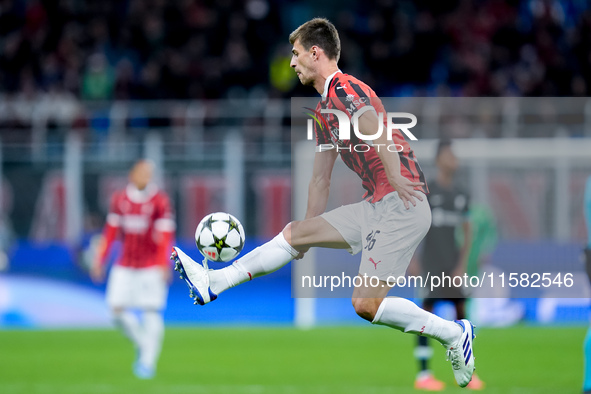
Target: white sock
[263, 260]
[129, 323]
[405, 315]
[153, 324]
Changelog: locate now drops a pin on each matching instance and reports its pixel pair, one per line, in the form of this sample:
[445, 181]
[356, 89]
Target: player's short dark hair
[443, 143]
[320, 32]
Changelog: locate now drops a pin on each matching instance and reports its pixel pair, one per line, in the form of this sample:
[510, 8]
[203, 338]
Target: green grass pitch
[282, 360]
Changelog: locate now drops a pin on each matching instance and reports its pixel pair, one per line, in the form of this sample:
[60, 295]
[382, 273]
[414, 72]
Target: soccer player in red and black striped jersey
[385, 227]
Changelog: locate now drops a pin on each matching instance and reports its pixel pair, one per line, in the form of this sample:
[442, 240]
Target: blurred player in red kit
[142, 217]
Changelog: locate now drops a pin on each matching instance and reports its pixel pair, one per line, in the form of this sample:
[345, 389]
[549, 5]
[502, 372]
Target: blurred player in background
[441, 254]
[142, 216]
[386, 227]
[587, 346]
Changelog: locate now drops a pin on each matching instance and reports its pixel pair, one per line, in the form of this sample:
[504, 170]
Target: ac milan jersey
[349, 95]
[144, 220]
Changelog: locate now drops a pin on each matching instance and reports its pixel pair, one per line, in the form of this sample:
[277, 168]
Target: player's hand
[406, 190]
[167, 274]
[301, 254]
[97, 273]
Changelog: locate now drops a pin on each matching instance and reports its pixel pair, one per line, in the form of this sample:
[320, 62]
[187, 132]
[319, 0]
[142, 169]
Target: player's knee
[287, 233]
[294, 233]
[365, 308]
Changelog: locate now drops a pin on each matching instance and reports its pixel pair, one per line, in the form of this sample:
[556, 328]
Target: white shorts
[385, 232]
[142, 288]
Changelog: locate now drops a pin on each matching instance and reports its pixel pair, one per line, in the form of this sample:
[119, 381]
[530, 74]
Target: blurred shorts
[142, 288]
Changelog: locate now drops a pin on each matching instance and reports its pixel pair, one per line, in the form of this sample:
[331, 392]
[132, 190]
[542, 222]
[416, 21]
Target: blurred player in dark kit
[441, 254]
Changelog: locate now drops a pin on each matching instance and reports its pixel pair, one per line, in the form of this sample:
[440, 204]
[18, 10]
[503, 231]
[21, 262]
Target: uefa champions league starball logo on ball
[219, 237]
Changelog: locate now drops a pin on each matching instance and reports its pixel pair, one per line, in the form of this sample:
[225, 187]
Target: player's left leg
[297, 237]
[150, 293]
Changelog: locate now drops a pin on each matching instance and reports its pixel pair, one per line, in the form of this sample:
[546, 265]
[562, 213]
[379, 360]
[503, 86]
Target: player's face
[141, 175]
[303, 63]
[447, 160]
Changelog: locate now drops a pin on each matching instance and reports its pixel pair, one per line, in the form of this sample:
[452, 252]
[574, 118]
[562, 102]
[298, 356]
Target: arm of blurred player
[368, 125]
[166, 239]
[97, 271]
[165, 227]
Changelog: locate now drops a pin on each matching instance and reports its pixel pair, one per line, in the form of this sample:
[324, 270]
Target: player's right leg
[150, 298]
[296, 238]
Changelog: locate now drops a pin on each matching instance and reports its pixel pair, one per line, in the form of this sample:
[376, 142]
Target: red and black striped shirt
[349, 95]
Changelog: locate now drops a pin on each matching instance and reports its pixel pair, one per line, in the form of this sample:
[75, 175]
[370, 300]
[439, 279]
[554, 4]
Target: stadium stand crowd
[192, 49]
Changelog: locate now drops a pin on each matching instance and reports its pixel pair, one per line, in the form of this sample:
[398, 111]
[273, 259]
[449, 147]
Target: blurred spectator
[98, 82]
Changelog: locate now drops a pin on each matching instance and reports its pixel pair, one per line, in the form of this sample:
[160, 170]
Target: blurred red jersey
[145, 221]
[349, 95]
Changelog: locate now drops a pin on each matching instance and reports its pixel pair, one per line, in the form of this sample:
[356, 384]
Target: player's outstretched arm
[319, 187]
[368, 125]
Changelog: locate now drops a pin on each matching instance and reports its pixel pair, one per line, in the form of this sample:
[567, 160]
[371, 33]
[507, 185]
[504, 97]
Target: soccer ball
[219, 237]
